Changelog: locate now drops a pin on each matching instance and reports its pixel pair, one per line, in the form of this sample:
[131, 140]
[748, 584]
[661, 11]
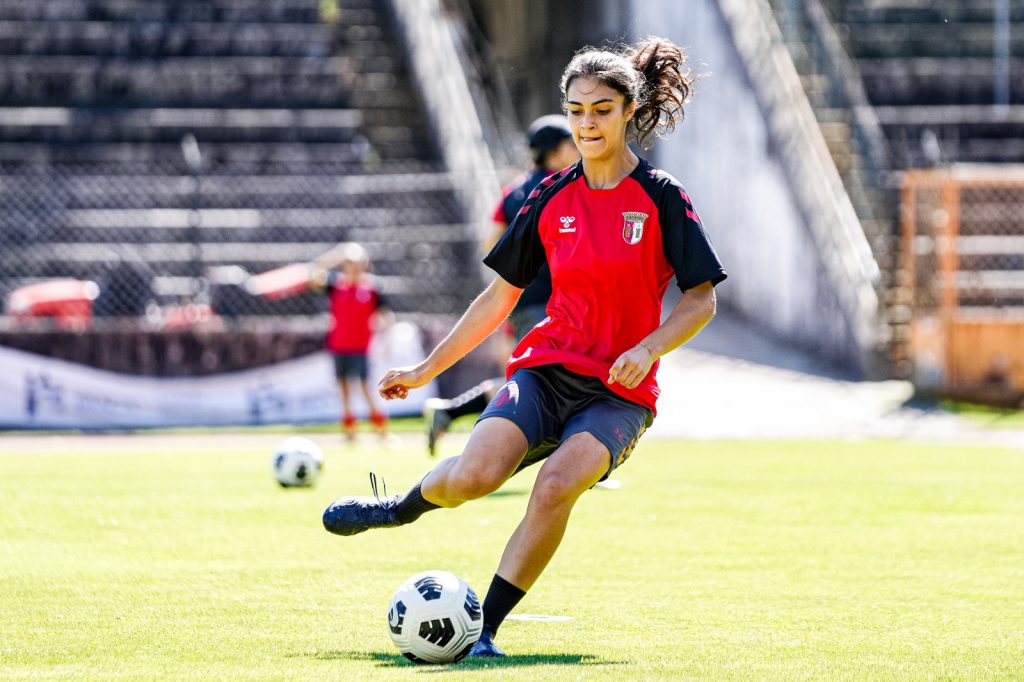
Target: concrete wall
[721, 152]
[723, 156]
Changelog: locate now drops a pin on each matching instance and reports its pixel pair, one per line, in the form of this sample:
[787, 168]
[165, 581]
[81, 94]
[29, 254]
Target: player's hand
[631, 367]
[397, 382]
[318, 278]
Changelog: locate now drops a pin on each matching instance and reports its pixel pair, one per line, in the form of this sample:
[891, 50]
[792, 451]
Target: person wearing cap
[357, 310]
[551, 149]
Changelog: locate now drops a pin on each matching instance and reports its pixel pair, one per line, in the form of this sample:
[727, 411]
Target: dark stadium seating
[928, 68]
[308, 129]
[931, 65]
[921, 93]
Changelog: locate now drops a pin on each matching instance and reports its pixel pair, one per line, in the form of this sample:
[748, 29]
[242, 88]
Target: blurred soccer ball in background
[435, 617]
[297, 462]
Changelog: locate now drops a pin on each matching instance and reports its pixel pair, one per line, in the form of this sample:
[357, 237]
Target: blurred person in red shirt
[357, 311]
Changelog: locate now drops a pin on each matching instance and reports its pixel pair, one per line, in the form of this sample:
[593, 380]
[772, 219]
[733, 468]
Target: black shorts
[350, 365]
[550, 403]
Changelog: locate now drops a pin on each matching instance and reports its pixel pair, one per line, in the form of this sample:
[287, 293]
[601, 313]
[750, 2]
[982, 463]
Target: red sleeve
[499, 211]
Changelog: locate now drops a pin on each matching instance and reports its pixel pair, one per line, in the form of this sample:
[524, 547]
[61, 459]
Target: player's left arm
[693, 311]
[689, 252]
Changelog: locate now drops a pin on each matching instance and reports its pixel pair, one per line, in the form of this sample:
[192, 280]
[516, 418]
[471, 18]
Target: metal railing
[807, 24]
[439, 69]
[818, 188]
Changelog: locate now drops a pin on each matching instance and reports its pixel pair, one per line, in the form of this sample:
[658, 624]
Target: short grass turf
[715, 560]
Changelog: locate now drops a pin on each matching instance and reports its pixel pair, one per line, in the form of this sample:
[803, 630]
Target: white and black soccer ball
[297, 462]
[435, 617]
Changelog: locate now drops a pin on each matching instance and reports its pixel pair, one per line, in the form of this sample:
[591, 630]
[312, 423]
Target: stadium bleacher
[929, 70]
[905, 84]
[308, 131]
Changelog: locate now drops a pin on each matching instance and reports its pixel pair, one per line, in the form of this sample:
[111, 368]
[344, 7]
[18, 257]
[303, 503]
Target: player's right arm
[498, 228]
[318, 278]
[482, 317]
[331, 258]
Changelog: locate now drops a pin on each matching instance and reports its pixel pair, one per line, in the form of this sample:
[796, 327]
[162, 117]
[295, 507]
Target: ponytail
[666, 88]
[649, 73]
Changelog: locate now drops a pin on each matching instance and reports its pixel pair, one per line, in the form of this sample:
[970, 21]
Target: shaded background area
[856, 163]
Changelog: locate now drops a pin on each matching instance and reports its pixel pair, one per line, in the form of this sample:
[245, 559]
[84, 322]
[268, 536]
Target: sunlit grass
[177, 559]
[985, 416]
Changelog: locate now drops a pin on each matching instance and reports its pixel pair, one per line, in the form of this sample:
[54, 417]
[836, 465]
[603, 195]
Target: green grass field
[178, 557]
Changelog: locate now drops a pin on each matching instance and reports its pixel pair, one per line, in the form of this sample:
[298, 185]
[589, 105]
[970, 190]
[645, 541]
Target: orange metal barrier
[962, 282]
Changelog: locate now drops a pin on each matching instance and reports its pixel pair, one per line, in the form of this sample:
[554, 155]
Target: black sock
[501, 598]
[412, 505]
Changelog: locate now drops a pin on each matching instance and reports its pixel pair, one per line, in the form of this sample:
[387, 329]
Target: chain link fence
[159, 158]
[963, 282]
[163, 238]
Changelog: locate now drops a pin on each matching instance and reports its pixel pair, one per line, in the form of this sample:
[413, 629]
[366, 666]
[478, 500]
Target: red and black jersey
[352, 307]
[612, 254]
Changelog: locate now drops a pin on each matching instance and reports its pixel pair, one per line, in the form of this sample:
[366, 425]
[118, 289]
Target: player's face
[598, 117]
[352, 269]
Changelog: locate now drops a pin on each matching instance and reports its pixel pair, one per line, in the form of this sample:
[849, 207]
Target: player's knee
[560, 485]
[553, 489]
[475, 479]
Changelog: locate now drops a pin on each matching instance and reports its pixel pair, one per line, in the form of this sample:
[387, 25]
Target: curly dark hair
[649, 73]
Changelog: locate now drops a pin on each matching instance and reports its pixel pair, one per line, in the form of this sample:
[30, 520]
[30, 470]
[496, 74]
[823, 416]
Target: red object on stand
[68, 301]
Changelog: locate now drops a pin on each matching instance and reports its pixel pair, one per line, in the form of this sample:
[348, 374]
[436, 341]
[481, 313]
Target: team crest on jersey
[633, 229]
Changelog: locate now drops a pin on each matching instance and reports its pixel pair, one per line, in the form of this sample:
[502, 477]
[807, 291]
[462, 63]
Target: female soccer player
[581, 387]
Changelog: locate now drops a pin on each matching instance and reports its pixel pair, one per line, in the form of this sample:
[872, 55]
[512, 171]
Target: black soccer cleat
[485, 648]
[353, 515]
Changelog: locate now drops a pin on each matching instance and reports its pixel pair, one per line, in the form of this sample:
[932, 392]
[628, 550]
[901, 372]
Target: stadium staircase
[307, 129]
[900, 84]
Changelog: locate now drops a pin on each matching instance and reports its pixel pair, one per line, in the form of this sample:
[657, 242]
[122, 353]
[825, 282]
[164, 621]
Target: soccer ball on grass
[297, 462]
[435, 617]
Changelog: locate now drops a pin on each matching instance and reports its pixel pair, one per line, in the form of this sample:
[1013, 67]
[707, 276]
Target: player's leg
[597, 440]
[494, 450]
[348, 420]
[341, 372]
[577, 464]
[438, 413]
[377, 417]
[511, 425]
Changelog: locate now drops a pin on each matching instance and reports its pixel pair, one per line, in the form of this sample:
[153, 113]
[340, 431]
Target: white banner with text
[38, 392]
